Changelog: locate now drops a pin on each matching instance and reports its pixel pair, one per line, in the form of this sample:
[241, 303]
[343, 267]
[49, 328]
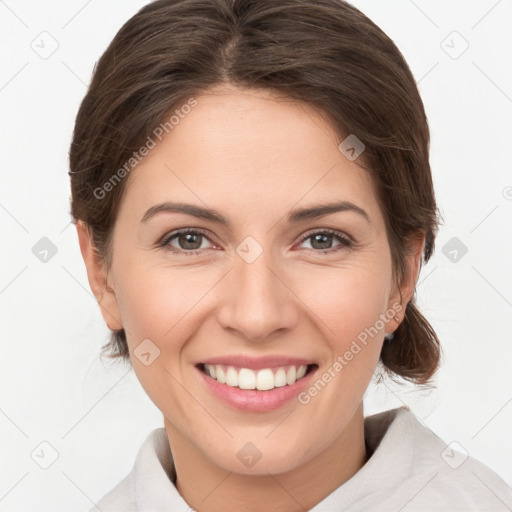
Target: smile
[263, 379]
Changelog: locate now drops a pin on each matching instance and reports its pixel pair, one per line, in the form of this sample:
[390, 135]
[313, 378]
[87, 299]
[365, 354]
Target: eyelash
[346, 242]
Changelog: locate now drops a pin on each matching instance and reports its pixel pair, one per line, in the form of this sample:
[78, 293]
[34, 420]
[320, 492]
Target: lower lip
[254, 400]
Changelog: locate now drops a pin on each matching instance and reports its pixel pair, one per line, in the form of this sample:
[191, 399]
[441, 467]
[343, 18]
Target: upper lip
[244, 361]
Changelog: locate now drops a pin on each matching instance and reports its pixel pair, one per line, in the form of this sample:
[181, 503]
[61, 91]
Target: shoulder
[431, 474]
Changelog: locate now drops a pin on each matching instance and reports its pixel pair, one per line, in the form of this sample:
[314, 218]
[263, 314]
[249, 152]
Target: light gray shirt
[410, 469]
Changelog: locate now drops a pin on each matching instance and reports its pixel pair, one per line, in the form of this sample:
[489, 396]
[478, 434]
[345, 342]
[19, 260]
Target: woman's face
[266, 282]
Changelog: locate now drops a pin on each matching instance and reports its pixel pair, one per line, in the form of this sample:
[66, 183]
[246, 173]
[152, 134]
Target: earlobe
[97, 276]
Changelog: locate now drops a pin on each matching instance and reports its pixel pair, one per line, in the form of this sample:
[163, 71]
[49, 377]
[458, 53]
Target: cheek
[346, 300]
[155, 302]
[350, 305]
[349, 313]
[161, 305]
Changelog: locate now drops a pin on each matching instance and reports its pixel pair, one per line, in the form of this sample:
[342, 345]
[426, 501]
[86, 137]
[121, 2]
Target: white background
[54, 387]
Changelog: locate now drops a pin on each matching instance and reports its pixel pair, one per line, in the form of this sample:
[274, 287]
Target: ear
[97, 275]
[403, 294]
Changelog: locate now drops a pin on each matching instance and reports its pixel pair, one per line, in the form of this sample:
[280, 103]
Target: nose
[258, 302]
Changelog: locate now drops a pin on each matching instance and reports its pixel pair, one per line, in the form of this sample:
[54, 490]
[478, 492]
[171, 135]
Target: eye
[322, 240]
[189, 242]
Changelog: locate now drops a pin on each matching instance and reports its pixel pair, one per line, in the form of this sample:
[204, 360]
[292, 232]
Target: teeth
[246, 379]
[221, 376]
[280, 378]
[291, 376]
[263, 380]
[232, 377]
[301, 372]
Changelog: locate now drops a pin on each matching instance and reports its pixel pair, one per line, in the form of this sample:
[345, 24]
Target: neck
[209, 488]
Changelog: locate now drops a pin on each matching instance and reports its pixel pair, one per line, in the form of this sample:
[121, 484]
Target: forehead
[252, 150]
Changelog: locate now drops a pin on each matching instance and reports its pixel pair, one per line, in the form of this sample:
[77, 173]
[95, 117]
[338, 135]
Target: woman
[253, 200]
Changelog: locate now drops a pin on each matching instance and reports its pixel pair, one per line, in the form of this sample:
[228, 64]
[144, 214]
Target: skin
[253, 158]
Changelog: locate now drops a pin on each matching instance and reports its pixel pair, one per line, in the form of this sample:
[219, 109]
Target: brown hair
[323, 52]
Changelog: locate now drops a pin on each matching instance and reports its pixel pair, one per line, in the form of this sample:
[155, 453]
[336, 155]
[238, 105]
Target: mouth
[261, 379]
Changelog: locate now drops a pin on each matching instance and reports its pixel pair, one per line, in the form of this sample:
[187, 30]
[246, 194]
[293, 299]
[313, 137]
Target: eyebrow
[294, 216]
